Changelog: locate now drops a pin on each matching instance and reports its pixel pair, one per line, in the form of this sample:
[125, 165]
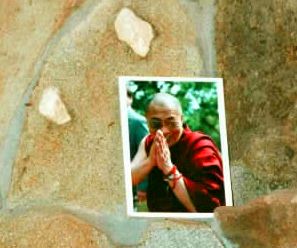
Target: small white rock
[294, 200]
[133, 30]
[52, 107]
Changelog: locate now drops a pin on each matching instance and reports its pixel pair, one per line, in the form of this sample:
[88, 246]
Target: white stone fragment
[133, 30]
[52, 107]
[294, 200]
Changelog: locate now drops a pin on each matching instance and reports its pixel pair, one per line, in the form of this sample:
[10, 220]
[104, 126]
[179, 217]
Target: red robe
[199, 161]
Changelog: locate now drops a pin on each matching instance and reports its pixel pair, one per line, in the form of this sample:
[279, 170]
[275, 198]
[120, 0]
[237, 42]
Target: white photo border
[122, 80]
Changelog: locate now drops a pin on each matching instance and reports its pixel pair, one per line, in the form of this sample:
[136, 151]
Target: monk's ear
[182, 118]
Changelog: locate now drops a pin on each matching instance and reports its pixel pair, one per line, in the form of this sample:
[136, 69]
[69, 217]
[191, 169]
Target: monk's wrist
[167, 168]
[172, 177]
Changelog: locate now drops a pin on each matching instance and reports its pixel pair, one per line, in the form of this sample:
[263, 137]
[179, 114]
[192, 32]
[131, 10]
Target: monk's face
[168, 120]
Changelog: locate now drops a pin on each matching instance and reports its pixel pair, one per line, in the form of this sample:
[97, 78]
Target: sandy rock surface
[73, 45]
[174, 233]
[81, 161]
[25, 30]
[266, 222]
[48, 228]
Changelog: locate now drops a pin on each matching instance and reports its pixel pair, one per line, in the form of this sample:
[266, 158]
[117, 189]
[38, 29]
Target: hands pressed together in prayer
[159, 154]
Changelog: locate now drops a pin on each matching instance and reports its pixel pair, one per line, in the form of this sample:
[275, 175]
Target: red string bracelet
[176, 178]
[171, 172]
[172, 176]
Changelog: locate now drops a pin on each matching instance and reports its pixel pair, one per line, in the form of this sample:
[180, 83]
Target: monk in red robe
[184, 168]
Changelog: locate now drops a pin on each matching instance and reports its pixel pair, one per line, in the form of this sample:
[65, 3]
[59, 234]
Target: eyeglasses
[156, 124]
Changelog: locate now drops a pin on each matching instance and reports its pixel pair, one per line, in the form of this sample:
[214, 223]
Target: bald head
[165, 101]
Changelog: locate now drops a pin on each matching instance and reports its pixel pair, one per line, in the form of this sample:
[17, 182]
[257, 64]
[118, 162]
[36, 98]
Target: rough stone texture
[25, 29]
[27, 32]
[202, 13]
[268, 221]
[47, 228]
[136, 32]
[122, 231]
[78, 163]
[72, 45]
[246, 184]
[256, 48]
[177, 234]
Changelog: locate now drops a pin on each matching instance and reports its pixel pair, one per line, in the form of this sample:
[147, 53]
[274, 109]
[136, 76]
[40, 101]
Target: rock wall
[63, 185]
[77, 162]
[256, 55]
[27, 27]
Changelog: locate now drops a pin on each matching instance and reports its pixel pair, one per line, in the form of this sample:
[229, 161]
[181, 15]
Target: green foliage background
[198, 99]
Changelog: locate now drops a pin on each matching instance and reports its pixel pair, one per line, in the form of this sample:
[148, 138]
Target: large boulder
[266, 222]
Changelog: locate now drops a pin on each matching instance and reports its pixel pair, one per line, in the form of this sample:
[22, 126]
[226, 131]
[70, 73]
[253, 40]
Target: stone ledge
[265, 222]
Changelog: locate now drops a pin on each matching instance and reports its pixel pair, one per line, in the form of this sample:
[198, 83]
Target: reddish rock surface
[266, 222]
[47, 228]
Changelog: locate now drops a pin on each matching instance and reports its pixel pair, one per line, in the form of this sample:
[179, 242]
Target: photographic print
[175, 146]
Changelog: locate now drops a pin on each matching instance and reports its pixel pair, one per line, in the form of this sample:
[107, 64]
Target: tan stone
[174, 234]
[48, 228]
[82, 162]
[136, 32]
[26, 27]
[268, 221]
[52, 107]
